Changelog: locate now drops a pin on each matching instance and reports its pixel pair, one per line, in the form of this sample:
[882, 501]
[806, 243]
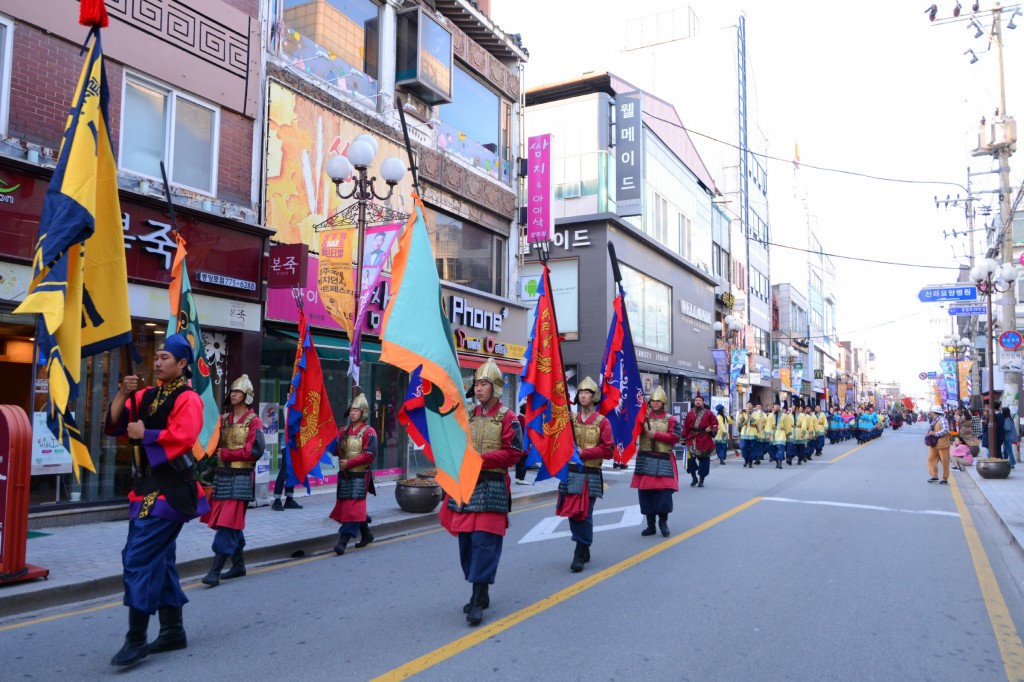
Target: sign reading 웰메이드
[937, 293]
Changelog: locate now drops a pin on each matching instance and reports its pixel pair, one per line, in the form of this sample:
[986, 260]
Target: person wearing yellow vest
[761, 446]
[822, 419]
[595, 442]
[234, 485]
[784, 425]
[480, 523]
[749, 434]
[798, 444]
[722, 435]
[770, 420]
[356, 447]
[656, 475]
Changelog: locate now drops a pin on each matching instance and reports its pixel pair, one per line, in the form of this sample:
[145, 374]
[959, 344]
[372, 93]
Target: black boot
[663, 524]
[172, 632]
[213, 577]
[485, 599]
[277, 506]
[700, 484]
[475, 615]
[649, 530]
[290, 503]
[134, 649]
[694, 481]
[778, 464]
[789, 461]
[339, 548]
[365, 536]
[586, 553]
[237, 569]
[577, 558]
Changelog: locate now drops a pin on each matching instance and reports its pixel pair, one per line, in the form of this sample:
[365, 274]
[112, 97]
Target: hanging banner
[629, 153]
[966, 385]
[952, 386]
[376, 251]
[784, 379]
[539, 227]
[721, 366]
[737, 365]
[335, 280]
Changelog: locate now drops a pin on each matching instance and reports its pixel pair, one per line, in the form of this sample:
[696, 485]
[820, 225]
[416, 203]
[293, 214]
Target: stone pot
[418, 499]
[992, 467]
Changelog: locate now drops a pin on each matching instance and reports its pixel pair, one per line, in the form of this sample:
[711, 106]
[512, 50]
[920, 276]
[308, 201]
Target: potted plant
[992, 467]
[418, 495]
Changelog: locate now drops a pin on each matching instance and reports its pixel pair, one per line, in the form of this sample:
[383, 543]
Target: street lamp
[991, 277]
[353, 167]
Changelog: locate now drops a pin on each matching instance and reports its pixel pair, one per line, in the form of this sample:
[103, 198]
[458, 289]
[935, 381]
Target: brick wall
[44, 73]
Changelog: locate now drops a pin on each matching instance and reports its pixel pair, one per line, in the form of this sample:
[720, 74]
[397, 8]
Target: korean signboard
[287, 266]
[539, 197]
[629, 153]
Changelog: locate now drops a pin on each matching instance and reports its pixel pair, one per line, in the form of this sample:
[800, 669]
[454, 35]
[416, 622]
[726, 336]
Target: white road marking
[932, 512]
[546, 529]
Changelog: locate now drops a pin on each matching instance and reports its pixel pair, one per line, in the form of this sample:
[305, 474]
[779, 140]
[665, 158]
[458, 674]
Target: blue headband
[178, 346]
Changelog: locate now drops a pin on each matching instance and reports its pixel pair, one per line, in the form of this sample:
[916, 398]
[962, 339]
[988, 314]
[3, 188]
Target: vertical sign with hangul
[539, 227]
[629, 153]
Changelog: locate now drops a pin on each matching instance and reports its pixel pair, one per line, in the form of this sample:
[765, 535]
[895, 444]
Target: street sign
[936, 293]
[1010, 360]
[963, 310]
[922, 376]
[932, 375]
[1011, 340]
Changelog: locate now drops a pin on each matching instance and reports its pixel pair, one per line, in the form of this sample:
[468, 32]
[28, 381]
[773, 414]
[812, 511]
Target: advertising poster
[335, 280]
[48, 456]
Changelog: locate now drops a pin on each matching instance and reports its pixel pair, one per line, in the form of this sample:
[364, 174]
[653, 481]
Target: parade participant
[938, 447]
[835, 426]
[480, 523]
[234, 485]
[655, 476]
[821, 428]
[760, 445]
[163, 424]
[784, 425]
[699, 429]
[798, 443]
[770, 420]
[356, 446]
[748, 434]
[722, 434]
[595, 442]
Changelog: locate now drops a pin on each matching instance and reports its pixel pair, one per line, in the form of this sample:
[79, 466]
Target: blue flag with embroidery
[623, 402]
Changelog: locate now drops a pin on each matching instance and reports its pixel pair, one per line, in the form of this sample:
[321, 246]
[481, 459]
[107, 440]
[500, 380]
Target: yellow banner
[784, 379]
[966, 385]
[335, 279]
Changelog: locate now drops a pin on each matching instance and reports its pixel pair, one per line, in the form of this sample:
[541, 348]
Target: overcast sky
[869, 86]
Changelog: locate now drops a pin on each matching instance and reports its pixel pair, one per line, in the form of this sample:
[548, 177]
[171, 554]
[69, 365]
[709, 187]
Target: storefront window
[471, 126]
[466, 253]
[649, 303]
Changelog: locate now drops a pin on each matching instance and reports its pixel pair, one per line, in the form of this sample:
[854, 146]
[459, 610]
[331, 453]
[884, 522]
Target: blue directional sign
[937, 293]
[932, 375]
[964, 310]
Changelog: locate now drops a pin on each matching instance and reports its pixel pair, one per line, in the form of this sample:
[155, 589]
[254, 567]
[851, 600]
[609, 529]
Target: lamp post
[991, 277]
[353, 167]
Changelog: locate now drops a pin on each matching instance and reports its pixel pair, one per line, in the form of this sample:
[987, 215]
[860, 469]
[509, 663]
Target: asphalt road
[851, 567]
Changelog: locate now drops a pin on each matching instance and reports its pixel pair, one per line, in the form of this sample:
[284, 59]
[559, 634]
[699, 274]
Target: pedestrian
[480, 523]
[162, 423]
[356, 447]
[655, 476]
[722, 434]
[234, 483]
[699, 429]
[960, 454]
[938, 446]
[1010, 437]
[584, 483]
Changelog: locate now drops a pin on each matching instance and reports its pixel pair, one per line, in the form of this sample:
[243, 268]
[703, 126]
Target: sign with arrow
[937, 293]
[967, 310]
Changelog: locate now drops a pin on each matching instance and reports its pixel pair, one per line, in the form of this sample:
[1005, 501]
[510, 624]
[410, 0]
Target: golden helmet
[589, 384]
[659, 395]
[489, 372]
[243, 384]
[360, 403]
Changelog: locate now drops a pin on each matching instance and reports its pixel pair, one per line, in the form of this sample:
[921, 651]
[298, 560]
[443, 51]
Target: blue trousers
[747, 449]
[150, 573]
[722, 449]
[758, 449]
[227, 541]
[780, 452]
[1008, 453]
[583, 531]
[655, 501]
[479, 553]
[348, 530]
[819, 444]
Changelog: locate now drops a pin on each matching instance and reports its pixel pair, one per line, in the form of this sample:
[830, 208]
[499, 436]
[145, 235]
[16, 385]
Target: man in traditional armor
[480, 523]
[699, 429]
[584, 483]
[655, 475]
[356, 447]
[234, 484]
[162, 423]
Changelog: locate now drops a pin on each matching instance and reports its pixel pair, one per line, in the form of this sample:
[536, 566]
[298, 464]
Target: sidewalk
[1006, 497]
[85, 560]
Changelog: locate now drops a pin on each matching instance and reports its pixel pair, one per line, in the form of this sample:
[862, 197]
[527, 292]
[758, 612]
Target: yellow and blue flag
[79, 283]
[417, 338]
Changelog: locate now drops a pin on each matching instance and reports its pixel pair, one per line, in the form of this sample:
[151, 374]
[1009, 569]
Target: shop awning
[334, 347]
[474, 361]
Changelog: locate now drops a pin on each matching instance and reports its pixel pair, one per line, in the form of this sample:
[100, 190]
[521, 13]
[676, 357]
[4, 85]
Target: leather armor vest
[234, 436]
[588, 436]
[353, 447]
[649, 444]
[486, 432]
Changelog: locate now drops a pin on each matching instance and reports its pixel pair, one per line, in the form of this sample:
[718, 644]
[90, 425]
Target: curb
[111, 586]
[1014, 540]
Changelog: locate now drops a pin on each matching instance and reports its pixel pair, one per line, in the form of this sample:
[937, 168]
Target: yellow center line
[445, 652]
[1010, 646]
[256, 571]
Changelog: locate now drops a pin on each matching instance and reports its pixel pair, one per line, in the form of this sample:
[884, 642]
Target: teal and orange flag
[79, 285]
[417, 338]
[185, 320]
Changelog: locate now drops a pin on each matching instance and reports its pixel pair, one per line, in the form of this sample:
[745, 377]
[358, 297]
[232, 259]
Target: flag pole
[408, 147]
[617, 274]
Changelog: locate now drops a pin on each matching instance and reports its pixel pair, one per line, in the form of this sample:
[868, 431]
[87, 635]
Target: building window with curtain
[649, 305]
[467, 254]
[161, 124]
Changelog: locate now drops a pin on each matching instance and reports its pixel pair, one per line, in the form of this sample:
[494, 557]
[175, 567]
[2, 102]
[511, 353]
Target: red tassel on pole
[93, 13]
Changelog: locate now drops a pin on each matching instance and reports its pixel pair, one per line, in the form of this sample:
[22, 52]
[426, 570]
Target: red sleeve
[605, 447]
[182, 432]
[672, 435]
[245, 453]
[507, 455]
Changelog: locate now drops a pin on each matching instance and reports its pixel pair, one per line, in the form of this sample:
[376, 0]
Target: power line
[791, 337]
[866, 260]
